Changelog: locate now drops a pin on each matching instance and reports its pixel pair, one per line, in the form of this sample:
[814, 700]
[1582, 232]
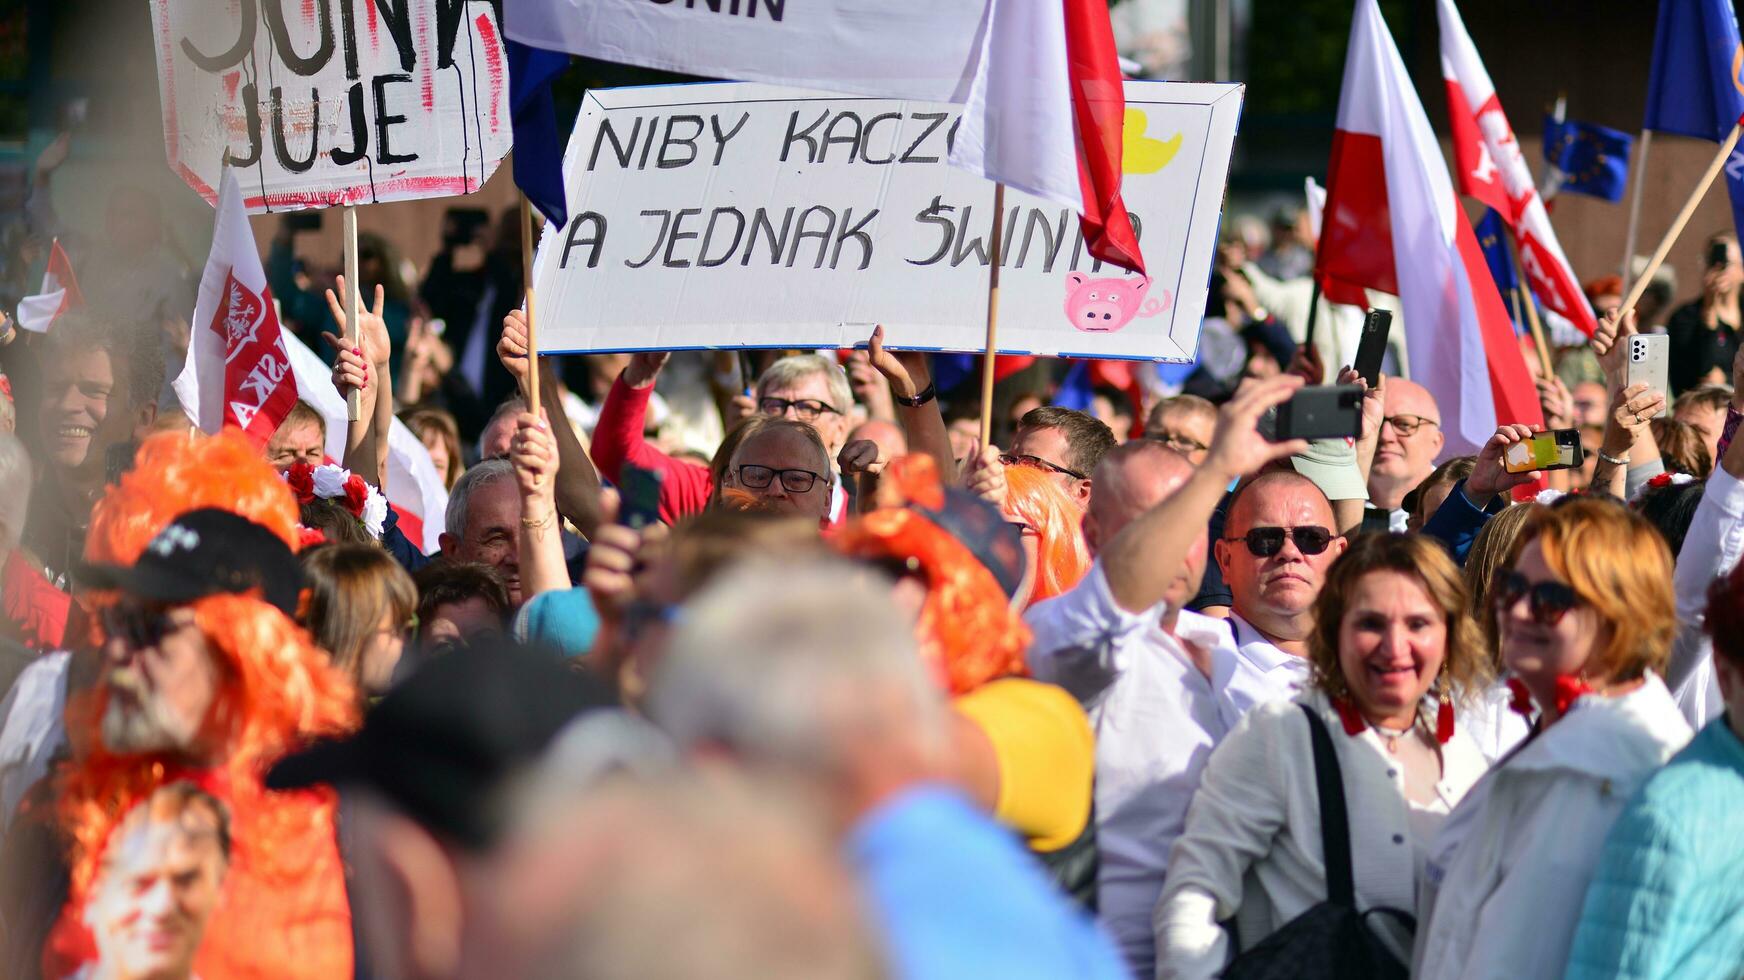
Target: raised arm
[910, 379]
[577, 482]
[362, 363]
[1628, 438]
[1147, 554]
[534, 454]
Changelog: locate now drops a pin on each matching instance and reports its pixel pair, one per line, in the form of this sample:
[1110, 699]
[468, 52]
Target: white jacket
[1252, 841]
[1506, 878]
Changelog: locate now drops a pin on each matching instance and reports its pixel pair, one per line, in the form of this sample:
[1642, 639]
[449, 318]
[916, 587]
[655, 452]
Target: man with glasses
[1184, 423]
[1064, 442]
[807, 389]
[1277, 544]
[1154, 677]
[783, 465]
[1410, 440]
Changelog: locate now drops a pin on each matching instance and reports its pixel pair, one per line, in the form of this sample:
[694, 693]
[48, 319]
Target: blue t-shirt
[954, 895]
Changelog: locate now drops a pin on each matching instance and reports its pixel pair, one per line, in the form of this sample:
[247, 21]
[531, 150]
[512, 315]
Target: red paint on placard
[427, 83]
[231, 80]
[369, 8]
[493, 52]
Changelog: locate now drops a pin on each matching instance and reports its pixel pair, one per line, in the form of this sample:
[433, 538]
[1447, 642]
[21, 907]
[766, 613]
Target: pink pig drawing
[1105, 305]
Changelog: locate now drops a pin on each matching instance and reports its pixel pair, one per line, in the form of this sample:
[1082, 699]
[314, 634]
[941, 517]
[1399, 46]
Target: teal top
[1668, 898]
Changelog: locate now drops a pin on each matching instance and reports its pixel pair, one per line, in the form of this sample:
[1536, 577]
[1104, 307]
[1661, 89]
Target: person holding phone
[1704, 333]
[1585, 612]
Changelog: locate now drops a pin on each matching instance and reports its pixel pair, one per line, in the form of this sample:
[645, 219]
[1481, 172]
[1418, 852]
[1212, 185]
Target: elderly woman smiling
[1392, 651]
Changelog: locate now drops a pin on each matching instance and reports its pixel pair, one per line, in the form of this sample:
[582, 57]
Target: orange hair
[1062, 558]
[285, 904]
[173, 474]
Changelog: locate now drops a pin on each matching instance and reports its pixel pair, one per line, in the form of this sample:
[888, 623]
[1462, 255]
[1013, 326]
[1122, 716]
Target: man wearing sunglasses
[1065, 443]
[1279, 540]
[1152, 675]
[1410, 440]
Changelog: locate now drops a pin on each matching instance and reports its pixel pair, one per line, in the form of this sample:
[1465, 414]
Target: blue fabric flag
[1075, 389]
[1691, 90]
[1492, 232]
[1593, 159]
[538, 150]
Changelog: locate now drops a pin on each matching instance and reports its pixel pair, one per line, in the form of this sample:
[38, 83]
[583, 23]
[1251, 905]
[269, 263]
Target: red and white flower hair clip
[332, 482]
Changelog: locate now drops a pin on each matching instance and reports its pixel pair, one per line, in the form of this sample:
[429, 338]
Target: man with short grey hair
[483, 522]
[817, 680]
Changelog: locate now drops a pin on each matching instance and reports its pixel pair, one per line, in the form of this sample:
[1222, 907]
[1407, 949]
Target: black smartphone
[1373, 346]
[641, 497]
[1321, 412]
[308, 219]
[1717, 255]
[1558, 449]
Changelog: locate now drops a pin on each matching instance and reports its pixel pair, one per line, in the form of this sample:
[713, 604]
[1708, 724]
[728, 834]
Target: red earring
[1444, 718]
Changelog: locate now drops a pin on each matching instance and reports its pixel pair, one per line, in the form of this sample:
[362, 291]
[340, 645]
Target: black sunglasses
[1547, 601]
[1264, 542]
[1016, 459]
[758, 477]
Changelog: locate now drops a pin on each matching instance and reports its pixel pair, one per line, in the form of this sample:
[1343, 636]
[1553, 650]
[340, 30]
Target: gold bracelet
[539, 524]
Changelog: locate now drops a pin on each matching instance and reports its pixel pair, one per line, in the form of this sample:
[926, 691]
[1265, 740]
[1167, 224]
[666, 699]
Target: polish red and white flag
[1492, 169]
[237, 371]
[1393, 223]
[59, 293]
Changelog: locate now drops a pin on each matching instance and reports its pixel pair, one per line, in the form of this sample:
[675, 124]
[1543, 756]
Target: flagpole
[1689, 209]
[1523, 295]
[987, 358]
[527, 282]
[1635, 208]
[353, 334]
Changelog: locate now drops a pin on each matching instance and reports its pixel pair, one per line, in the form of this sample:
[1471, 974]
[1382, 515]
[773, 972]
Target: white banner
[325, 102]
[742, 215]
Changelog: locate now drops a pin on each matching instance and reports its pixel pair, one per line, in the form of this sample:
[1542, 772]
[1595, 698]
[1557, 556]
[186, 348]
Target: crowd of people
[764, 665]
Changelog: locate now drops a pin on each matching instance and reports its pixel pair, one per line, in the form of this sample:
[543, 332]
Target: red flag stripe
[1099, 110]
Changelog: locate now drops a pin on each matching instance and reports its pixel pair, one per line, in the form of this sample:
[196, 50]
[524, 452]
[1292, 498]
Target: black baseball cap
[206, 552]
[980, 527]
[444, 742]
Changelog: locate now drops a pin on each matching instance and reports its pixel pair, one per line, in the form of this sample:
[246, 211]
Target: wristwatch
[927, 394]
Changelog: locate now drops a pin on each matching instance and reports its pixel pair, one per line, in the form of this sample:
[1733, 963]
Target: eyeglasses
[793, 481]
[1547, 601]
[139, 627]
[1018, 459]
[1180, 443]
[1264, 542]
[1407, 425]
[806, 409]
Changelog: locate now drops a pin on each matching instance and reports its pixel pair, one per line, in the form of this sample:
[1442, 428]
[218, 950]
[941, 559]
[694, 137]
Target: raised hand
[512, 347]
[861, 456]
[350, 369]
[984, 476]
[645, 367]
[533, 451]
[1490, 475]
[371, 336]
[1608, 344]
[1635, 406]
[1558, 404]
[890, 365]
[1374, 404]
[1237, 448]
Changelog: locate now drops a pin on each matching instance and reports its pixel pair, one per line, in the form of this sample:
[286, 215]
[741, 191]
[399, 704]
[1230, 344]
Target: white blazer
[1506, 877]
[1252, 840]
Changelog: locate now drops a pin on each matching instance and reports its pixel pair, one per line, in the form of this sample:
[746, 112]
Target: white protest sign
[745, 215]
[327, 102]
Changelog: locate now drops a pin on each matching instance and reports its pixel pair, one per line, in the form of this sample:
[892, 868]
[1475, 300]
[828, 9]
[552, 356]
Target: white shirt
[1507, 875]
[1156, 718]
[1711, 548]
[31, 729]
[1263, 672]
[1252, 842]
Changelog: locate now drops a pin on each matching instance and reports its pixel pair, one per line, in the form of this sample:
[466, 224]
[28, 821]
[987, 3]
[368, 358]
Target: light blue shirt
[955, 896]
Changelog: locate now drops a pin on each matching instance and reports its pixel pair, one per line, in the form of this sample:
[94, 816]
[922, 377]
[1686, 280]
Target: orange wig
[1062, 557]
[967, 630]
[284, 912]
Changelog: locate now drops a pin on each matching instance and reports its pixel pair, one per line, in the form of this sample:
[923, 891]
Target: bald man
[1410, 441]
[887, 436]
[1150, 674]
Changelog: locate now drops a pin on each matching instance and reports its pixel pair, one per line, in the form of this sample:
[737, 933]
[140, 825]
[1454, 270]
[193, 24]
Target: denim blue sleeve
[1456, 523]
[400, 546]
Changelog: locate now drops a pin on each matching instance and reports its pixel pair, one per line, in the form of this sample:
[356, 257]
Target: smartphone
[1558, 449]
[1649, 360]
[1321, 412]
[641, 497]
[1373, 346]
[1717, 257]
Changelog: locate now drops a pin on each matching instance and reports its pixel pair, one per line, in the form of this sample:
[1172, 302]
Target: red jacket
[617, 440]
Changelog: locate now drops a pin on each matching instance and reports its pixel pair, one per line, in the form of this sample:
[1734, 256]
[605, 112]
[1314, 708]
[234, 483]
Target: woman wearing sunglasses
[1391, 655]
[1585, 618]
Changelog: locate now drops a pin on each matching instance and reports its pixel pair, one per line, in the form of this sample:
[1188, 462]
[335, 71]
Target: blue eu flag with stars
[1591, 159]
[1491, 233]
[1694, 88]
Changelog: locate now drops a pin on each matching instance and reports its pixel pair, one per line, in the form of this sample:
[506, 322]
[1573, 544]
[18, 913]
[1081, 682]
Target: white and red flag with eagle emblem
[1393, 223]
[238, 371]
[1492, 169]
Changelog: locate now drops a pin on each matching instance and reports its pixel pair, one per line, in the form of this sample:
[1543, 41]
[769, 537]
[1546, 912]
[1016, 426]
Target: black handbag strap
[1334, 823]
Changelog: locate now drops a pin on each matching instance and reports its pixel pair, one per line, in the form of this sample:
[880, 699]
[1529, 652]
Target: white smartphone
[1648, 359]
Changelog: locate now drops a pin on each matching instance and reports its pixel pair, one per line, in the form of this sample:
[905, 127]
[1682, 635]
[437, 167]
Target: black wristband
[927, 394]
